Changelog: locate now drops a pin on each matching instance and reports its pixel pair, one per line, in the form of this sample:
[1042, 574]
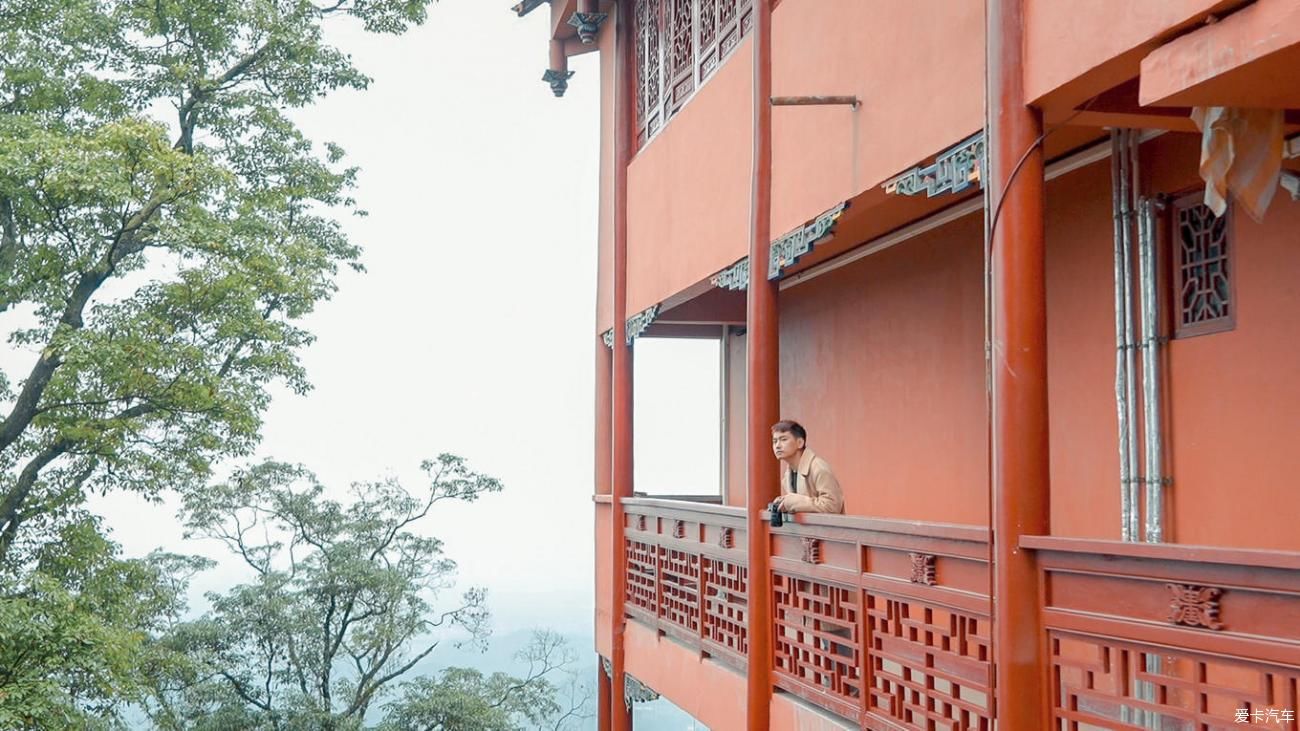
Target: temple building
[1029, 273]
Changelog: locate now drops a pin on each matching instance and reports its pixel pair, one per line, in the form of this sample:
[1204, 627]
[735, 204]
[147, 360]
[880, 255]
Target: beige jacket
[818, 490]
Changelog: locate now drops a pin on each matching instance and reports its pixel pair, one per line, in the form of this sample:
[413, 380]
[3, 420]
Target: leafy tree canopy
[343, 605]
[164, 228]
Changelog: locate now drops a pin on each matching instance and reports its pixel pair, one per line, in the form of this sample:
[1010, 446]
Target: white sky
[472, 330]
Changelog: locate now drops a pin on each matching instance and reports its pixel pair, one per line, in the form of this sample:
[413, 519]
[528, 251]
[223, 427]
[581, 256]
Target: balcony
[887, 623]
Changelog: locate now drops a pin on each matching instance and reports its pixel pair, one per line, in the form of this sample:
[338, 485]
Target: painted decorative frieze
[634, 691]
[734, 277]
[638, 323]
[785, 251]
[952, 171]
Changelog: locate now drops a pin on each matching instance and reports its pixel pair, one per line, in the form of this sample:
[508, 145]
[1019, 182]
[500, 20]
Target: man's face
[785, 444]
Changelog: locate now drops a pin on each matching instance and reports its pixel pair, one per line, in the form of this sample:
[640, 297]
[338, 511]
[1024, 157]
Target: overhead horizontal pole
[815, 101]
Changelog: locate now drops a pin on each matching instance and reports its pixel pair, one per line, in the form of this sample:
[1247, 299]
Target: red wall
[1234, 413]
[824, 155]
[883, 361]
[1081, 355]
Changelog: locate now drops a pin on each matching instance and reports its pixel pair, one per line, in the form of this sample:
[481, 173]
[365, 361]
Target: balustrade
[888, 623]
[687, 574]
[679, 44]
[1164, 636]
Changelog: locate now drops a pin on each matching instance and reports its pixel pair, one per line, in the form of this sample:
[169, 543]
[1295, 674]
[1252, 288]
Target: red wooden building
[967, 245]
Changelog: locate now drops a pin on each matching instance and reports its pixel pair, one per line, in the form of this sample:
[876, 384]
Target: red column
[764, 385]
[1019, 404]
[620, 715]
[603, 707]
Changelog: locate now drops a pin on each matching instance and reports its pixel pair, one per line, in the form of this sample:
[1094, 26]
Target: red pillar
[620, 715]
[764, 385]
[603, 708]
[1019, 404]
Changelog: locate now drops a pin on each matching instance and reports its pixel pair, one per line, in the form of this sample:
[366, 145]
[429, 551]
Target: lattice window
[816, 640]
[1119, 685]
[725, 606]
[649, 31]
[642, 570]
[930, 667]
[681, 54]
[679, 44]
[1203, 269]
[681, 588]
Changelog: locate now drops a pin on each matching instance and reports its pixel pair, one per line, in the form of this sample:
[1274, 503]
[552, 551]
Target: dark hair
[790, 427]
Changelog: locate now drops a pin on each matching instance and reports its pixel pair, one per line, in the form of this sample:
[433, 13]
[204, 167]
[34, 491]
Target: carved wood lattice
[1119, 685]
[1202, 268]
[816, 640]
[680, 587]
[930, 667]
[679, 45]
[725, 610]
[642, 575]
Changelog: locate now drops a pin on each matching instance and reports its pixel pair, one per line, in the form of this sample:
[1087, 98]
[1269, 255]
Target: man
[807, 483]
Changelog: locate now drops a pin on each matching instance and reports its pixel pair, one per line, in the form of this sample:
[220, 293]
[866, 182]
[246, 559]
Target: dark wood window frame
[1183, 206]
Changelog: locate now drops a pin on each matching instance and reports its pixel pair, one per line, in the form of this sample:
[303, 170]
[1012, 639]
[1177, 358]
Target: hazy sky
[472, 330]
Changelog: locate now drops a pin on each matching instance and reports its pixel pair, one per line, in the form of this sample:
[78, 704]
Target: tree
[164, 227]
[78, 634]
[340, 610]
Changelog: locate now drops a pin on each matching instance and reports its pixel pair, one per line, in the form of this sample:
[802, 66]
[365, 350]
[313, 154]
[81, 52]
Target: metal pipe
[1020, 469]
[1127, 194]
[809, 101]
[621, 399]
[1151, 374]
[763, 384]
[1128, 509]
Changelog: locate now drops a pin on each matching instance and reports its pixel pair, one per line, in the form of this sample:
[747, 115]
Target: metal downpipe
[1133, 188]
[1152, 425]
[1123, 316]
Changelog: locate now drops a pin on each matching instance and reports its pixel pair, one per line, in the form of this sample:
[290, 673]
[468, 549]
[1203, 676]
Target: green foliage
[164, 227]
[341, 609]
[78, 631]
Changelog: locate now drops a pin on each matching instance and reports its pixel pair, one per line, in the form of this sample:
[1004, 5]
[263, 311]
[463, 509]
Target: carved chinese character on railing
[680, 44]
[1195, 606]
[922, 568]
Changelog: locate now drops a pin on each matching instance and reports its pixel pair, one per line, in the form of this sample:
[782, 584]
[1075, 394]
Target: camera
[774, 511]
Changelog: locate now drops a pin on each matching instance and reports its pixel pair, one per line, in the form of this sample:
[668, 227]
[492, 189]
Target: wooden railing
[1166, 636]
[887, 623]
[884, 622]
[687, 575]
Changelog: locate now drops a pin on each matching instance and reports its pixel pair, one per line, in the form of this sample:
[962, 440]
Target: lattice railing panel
[930, 667]
[726, 604]
[687, 575]
[642, 575]
[680, 44]
[817, 643]
[680, 588]
[1112, 684]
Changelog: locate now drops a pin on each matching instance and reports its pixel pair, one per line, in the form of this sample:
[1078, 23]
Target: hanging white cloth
[1241, 155]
